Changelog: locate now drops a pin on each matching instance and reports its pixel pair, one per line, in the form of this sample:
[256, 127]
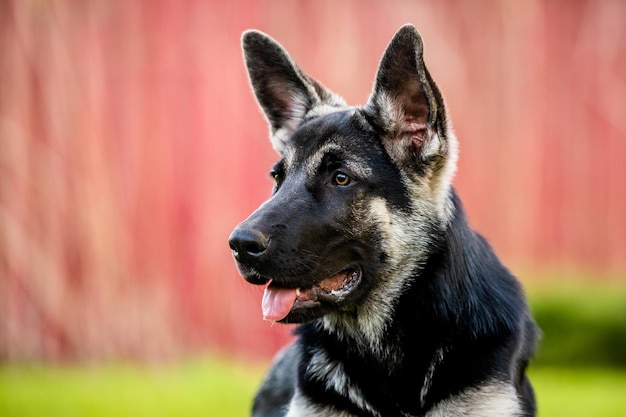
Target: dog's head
[360, 192]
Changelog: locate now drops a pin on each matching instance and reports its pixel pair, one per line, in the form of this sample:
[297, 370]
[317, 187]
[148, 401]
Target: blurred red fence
[130, 146]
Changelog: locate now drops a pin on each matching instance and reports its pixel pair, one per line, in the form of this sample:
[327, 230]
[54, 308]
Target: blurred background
[131, 146]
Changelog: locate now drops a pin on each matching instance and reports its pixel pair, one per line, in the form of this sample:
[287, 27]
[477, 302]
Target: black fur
[391, 244]
[465, 302]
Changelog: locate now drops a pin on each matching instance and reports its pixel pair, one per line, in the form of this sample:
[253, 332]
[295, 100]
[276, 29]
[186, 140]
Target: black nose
[248, 245]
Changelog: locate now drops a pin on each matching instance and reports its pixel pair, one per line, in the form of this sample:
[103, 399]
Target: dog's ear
[406, 104]
[284, 92]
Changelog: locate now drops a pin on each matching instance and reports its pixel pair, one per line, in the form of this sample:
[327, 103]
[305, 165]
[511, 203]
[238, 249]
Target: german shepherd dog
[404, 310]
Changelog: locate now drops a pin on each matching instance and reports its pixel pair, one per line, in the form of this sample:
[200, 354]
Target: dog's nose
[247, 245]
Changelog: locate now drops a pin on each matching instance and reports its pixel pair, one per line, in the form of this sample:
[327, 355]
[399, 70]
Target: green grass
[224, 388]
[580, 392]
[201, 388]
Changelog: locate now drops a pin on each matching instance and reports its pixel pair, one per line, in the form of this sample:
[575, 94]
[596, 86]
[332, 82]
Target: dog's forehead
[341, 133]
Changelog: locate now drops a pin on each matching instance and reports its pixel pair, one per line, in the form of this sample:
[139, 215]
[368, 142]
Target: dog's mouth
[279, 303]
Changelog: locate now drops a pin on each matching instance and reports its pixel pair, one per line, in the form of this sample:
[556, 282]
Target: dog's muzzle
[294, 300]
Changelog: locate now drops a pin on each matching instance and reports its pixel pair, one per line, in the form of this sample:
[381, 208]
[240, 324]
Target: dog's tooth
[297, 292]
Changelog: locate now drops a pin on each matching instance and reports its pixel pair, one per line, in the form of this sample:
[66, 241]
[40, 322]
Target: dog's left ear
[284, 92]
[407, 106]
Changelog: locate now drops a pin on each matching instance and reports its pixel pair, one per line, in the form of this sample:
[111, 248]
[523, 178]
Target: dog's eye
[275, 176]
[342, 179]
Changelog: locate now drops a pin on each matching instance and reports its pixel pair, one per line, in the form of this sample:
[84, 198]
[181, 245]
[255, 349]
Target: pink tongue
[277, 302]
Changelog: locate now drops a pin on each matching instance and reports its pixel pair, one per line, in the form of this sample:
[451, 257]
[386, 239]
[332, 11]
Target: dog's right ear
[284, 92]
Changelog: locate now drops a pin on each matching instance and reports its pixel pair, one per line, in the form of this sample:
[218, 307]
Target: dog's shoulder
[278, 387]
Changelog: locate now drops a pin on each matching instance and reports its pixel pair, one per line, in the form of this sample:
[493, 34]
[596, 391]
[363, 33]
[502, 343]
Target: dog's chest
[494, 399]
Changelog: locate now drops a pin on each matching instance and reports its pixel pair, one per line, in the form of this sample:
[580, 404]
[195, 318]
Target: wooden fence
[131, 145]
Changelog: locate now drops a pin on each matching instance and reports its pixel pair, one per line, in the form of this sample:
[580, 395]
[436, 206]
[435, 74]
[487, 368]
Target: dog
[403, 309]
